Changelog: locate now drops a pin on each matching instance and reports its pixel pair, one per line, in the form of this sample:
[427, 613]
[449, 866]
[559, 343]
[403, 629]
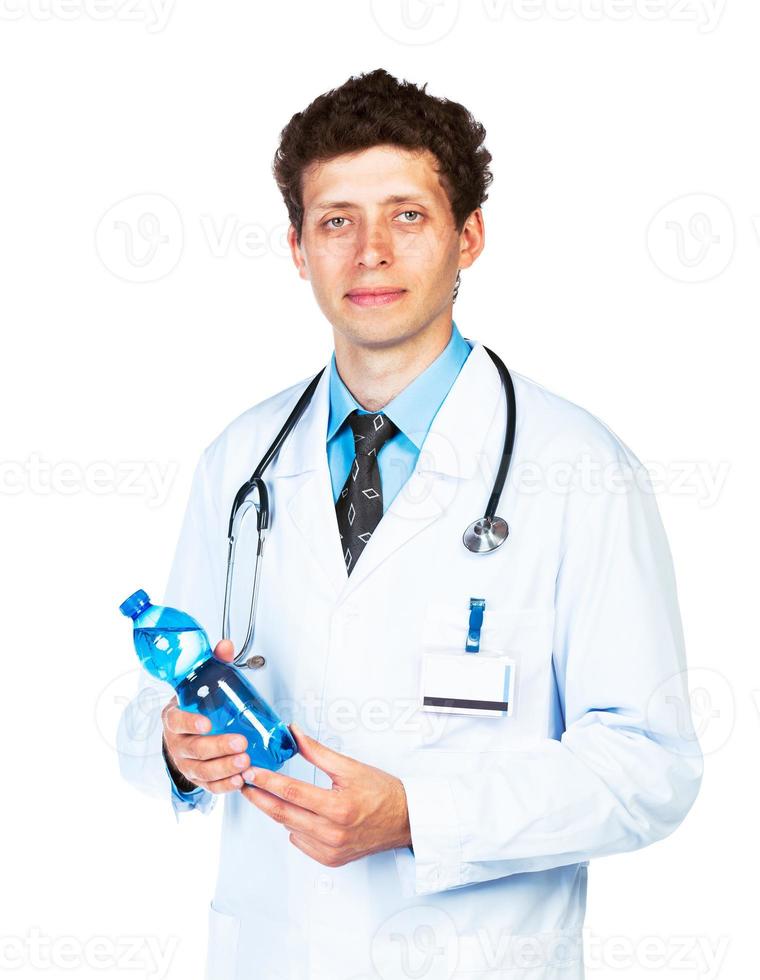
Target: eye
[329, 222]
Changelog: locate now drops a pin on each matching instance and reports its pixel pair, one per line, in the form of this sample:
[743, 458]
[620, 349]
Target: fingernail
[249, 775]
[241, 761]
[237, 744]
[201, 725]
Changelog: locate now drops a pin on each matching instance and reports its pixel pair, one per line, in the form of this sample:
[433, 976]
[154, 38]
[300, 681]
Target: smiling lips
[379, 296]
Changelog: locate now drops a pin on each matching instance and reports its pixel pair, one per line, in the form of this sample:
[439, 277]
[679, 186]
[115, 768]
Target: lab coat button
[324, 884]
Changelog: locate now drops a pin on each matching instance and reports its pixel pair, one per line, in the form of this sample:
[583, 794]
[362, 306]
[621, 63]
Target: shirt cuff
[183, 801]
[182, 794]
[198, 799]
[433, 863]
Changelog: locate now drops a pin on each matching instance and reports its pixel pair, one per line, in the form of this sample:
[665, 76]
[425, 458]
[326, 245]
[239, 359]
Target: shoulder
[256, 425]
[579, 461]
[560, 429]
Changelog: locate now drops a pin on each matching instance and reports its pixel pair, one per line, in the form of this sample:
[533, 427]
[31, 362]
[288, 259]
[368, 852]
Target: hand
[363, 812]
[213, 762]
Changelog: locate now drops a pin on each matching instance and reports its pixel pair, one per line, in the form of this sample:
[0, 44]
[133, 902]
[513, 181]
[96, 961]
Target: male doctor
[407, 840]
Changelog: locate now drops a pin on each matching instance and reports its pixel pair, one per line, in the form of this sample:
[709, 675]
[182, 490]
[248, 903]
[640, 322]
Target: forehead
[368, 176]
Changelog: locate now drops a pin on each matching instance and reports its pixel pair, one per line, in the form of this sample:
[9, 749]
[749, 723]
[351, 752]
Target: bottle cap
[135, 604]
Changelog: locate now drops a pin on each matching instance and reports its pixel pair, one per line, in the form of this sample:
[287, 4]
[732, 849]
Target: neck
[376, 374]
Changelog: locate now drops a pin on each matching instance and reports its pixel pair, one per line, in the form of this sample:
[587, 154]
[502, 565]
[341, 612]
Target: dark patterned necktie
[359, 506]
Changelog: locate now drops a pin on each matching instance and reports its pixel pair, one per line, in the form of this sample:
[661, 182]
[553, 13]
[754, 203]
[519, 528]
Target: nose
[374, 246]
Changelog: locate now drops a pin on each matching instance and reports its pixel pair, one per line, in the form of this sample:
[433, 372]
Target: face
[379, 220]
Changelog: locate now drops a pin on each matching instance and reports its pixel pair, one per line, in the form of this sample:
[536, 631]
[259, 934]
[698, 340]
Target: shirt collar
[414, 408]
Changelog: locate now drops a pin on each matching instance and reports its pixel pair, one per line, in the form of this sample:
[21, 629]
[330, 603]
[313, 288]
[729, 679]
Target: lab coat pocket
[223, 935]
[525, 636]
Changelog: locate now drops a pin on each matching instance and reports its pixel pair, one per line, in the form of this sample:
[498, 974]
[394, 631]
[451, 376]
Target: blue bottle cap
[135, 604]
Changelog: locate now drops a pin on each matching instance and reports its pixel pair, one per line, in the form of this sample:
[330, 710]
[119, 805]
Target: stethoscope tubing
[480, 530]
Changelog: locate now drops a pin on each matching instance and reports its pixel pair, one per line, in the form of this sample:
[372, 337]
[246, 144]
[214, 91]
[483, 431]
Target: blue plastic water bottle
[174, 647]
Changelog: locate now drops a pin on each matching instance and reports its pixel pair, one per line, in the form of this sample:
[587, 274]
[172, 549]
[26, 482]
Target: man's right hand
[213, 762]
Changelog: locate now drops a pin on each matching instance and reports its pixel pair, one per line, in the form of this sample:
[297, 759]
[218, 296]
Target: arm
[194, 585]
[628, 766]
[140, 748]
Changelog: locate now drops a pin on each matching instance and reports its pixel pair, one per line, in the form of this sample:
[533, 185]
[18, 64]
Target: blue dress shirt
[413, 410]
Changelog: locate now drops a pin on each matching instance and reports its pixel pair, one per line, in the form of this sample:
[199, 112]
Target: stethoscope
[484, 535]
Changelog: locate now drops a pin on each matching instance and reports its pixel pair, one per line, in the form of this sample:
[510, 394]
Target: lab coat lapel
[450, 453]
[311, 508]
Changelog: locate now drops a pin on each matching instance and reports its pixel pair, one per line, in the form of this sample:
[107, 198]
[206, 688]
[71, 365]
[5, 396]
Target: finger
[203, 747]
[312, 850]
[305, 795]
[181, 722]
[295, 817]
[214, 769]
[328, 760]
[228, 785]
[225, 650]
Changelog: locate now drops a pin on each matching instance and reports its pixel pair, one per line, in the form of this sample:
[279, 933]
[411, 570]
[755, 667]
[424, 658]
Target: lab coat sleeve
[195, 587]
[141, 759]
[627, 767]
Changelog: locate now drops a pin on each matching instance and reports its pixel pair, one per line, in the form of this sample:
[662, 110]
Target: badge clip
[477, 607]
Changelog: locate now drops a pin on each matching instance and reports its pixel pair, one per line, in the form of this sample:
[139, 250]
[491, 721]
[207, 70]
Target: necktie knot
[371, 431]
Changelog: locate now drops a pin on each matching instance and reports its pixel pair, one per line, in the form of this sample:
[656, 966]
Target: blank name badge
[467, 684]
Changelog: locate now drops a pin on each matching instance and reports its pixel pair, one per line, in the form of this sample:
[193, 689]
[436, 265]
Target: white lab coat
[598, 757]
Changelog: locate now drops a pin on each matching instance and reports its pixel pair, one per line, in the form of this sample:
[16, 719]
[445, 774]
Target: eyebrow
[391, 199]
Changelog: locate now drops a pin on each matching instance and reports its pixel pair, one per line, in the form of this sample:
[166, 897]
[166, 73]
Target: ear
[296, 252]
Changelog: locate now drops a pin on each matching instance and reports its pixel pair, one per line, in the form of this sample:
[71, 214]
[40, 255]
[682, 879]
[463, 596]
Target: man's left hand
[363, 812]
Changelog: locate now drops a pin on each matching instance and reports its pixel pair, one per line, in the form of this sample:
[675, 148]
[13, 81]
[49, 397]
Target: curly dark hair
[376, 108]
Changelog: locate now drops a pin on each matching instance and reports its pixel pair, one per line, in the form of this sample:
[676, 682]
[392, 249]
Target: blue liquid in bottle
[174, 647]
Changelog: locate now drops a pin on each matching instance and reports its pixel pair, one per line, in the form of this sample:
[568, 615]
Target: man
[401, 840]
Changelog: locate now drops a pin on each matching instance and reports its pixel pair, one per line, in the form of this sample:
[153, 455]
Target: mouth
[382, 296]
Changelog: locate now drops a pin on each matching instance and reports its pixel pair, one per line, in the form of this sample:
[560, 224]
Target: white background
[593, 282]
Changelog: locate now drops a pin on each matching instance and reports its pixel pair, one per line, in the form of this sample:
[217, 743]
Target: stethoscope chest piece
[485, 534]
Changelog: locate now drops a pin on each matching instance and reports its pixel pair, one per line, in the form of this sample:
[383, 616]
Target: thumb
[225, 650]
